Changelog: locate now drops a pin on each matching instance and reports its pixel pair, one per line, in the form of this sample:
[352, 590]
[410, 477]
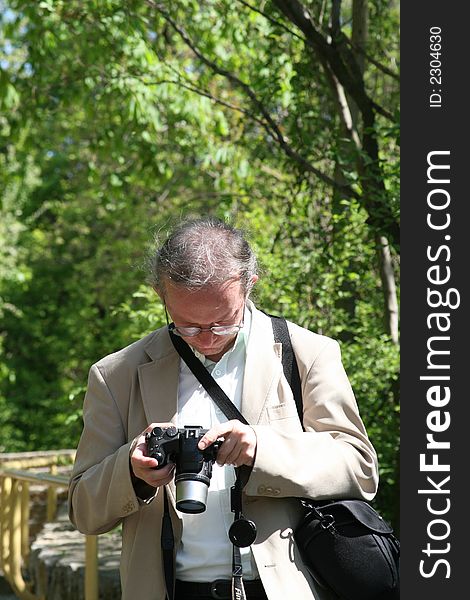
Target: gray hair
[204, 252]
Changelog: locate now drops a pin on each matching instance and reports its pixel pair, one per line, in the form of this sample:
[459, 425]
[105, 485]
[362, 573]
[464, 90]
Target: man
[204, 273]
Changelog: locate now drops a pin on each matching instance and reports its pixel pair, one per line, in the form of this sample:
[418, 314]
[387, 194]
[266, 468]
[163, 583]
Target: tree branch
[374, 62]
[383, 111]
[271, 19]
[206, 94]
[336, 16]
[329, 52]
[269, 124]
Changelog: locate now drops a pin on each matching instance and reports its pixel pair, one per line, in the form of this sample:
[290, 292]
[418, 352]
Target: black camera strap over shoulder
[242, 532]
[206, 379]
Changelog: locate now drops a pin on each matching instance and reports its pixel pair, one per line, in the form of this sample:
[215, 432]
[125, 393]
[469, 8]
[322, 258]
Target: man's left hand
[239, 447]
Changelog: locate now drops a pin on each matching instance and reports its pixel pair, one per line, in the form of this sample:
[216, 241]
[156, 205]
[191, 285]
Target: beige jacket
[136, 386]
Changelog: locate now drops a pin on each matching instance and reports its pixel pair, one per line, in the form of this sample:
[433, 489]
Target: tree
[123, 116]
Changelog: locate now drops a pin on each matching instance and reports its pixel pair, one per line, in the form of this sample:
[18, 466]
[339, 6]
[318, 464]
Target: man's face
[216, 305]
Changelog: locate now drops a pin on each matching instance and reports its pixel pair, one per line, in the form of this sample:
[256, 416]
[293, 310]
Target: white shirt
[205, 553]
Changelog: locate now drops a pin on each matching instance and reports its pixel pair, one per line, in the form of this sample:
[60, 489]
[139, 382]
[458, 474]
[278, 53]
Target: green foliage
[119, 118]
[373, 365]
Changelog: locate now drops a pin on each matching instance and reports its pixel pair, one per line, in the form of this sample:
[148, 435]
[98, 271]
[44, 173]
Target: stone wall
[57, 562]
[56, 565]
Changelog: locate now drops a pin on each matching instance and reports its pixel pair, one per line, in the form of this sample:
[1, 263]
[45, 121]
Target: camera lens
[191, 492]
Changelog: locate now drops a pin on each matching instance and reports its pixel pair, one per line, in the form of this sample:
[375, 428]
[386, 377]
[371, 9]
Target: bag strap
[289, 362]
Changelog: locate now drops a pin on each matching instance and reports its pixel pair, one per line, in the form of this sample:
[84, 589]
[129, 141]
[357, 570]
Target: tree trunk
[336, 56]
[350, 118]
[360, 10]
[387, 276]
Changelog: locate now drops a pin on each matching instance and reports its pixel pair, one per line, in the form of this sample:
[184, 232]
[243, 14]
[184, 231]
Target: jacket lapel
[263, 366]
[159, 378]
[158, 381]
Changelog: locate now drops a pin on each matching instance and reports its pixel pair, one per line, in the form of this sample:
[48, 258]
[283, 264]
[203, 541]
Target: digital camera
[193, 466]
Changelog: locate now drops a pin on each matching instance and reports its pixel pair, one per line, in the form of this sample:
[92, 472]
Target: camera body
[193, 466]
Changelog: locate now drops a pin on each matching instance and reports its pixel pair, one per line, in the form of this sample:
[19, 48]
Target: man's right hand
[144, 467]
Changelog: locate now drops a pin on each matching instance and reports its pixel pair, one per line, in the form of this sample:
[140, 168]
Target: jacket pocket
[284, 417]
[287, 410]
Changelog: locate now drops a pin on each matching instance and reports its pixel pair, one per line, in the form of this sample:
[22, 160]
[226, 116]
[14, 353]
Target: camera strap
[205, 379]
[242, 532]
[168, 544]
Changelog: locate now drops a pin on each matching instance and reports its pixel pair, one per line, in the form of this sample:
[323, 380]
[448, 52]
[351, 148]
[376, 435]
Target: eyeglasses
[216, 330]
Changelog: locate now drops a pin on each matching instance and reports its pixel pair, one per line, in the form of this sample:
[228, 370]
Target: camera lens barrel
[191, 492]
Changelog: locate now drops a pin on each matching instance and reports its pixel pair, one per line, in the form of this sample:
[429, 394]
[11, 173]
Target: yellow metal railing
[15, 479]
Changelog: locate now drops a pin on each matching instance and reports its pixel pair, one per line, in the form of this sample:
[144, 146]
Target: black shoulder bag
[346, 545]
